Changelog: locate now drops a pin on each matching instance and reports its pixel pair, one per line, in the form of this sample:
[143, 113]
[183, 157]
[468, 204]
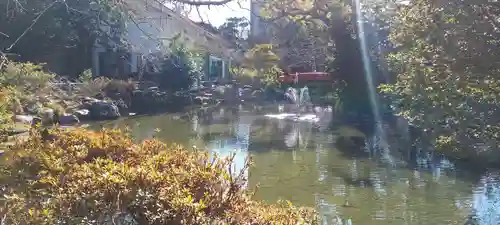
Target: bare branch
[204, 2]
[32, 24]
[199, 14]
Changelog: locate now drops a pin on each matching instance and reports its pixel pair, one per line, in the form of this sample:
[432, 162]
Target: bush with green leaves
[261, 64]
[84, 177]
[447, 74]
[86, 76]
[19, 82]
[180, 67]
[24, 77]
[5, 112]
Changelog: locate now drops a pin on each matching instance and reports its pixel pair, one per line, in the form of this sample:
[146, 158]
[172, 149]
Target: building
[258, 26]
[152, 28]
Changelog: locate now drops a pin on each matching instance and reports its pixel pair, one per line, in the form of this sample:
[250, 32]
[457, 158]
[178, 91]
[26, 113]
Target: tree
[260, 62]
[58, 32]
[303, 47]
[340, 21]
[235, 30]
[63, 32]
[447, 74]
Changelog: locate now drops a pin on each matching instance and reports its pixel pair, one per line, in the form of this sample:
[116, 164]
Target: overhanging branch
[203, 2]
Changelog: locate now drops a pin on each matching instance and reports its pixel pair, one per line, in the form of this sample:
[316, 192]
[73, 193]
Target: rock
[68, 120]
[152, 99]
[36, 121]
[197, 100]
[82, 113]
[219, 91]
[33, 108]
[258, 95]
[122, 107]
[99, 96]
[23, 119]
[103, 110]
[27, 119]
[153, 89]
[47, 115]
[89, 100]
[246, 94]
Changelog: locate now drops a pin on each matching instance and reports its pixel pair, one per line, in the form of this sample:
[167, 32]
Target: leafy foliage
[27, 77]
[60, 33]
[85, 177]
[235, 30]
[329, 42]
[180, 67]
[20, 82]
[447, 75]
[86, 76]
[93, 87]
[5, 112]
[261, 62]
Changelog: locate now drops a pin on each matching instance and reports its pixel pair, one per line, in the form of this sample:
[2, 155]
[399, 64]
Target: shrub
[180, 67]
[5, 113]
[25, 77]
[261, 62]
[123, 88]
[85, 177]
[20, 82]
[58, 108]
[86, 76]
[93, 87]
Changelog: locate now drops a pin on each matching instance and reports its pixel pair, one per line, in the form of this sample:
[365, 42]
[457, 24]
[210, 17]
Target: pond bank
[123, 99]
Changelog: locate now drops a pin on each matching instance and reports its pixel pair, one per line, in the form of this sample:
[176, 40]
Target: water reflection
[310, 165]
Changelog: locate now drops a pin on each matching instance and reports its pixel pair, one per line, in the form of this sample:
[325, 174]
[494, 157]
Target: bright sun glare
[217, 15]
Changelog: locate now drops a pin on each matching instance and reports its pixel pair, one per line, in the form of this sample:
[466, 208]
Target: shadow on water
[337, 169]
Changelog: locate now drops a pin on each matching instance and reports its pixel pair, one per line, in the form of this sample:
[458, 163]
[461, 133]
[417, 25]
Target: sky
[217, 15]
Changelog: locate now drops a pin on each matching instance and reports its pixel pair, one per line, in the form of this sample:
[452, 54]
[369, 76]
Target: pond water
[304, 161]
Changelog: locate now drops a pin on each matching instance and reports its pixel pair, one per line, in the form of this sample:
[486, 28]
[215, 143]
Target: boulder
[103, 110]
[246, 94]
[150, 100]
[89, 100]
[27, 119]
[122, 106]
[66, 120]
[82, 114]
[47, 115]
[33, 108]
[153, 89]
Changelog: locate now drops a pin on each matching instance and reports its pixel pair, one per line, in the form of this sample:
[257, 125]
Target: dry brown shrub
[84, 177]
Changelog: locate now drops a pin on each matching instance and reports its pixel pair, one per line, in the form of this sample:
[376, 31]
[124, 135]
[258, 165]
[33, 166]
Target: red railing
[304, 77]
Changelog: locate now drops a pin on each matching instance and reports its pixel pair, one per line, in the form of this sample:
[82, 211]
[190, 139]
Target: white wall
[154, 26]
[158, 23]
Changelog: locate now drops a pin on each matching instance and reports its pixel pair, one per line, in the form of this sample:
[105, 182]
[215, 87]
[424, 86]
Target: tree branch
[31, 26]
[204, 2]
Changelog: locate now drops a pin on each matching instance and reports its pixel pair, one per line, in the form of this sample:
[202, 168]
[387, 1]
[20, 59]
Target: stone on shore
[103, 110]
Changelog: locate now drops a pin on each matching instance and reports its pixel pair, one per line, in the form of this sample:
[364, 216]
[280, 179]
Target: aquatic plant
[84, 177]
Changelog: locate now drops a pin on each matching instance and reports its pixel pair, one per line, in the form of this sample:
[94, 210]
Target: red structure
[304, 77]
